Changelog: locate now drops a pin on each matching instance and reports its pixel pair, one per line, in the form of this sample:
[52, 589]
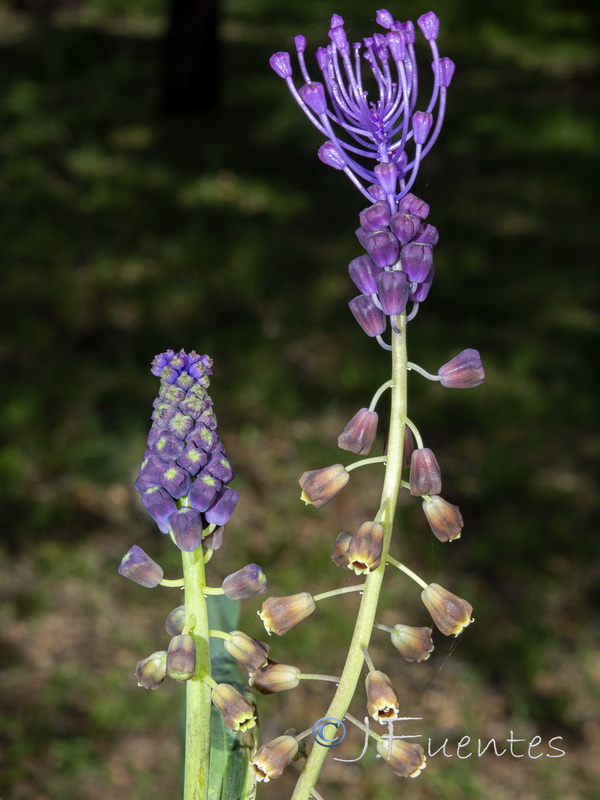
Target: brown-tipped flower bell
[339, 551]
[405, 758]
[175, 622]
[382, 700]
[140, 568]
[236, 711]
[280, 614]
[249, 652]
[150, 672]
[414, 644]
[425, 476]
[359, 434]
[319, 486]
[450, 613]
[445, 520]
[273, 757]
[274, 677]
[249, 581]
[364, 548]
[181, 658]
[464, 371]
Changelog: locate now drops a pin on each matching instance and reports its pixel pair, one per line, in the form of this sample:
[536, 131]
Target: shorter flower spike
[140, 568]
[359, 434]
[407, 760]
[414, 644]
[236, 711]
[274, 677]
[249, 652]
[319, 486]
[364, 548]
[181, 658]
[150, 672]
[280, 614]
[425, 476]
[445, 520]
[175, 622]
[273, 757]
[249, 581]
[464, 371]
[382, 700]
[450, 613]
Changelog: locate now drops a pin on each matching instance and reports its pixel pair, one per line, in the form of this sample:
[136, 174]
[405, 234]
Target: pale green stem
[415, 430]
[357, 588]
[403, 568]
[178, 583]
[368, 606]
[378, 394]
[314, 676]
[364, 461]
[197, 696]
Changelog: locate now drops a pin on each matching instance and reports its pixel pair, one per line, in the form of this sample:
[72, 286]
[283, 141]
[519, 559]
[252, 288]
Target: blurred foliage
[125, 232]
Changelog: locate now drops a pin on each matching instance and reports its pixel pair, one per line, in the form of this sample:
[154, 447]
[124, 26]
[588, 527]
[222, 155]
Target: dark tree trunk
[191, 57]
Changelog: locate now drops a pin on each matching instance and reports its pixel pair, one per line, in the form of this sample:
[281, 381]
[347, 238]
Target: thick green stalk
[197, 699]
[368, 606]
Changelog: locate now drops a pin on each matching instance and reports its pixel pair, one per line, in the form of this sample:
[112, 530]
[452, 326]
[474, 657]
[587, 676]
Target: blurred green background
[125, 231]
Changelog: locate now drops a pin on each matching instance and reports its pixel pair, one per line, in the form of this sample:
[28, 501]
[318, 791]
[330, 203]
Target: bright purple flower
[186, 524]
[422, 290]
[382, 246]
[393, 290]
[385, 128]
[160, 506]
[464, 371]
[221, 509]
[370, 318]
[139, 567]
[375, 217]
[203, 491]
[363, 272]
[416, 260]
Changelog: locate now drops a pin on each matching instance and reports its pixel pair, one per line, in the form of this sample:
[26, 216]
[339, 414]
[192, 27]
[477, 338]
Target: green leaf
[230, 753]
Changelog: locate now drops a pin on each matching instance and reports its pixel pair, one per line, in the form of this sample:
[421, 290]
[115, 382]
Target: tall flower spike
[385, 127]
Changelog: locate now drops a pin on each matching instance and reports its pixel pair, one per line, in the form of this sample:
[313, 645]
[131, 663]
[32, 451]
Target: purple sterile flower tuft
[464, 371]
[381, 125]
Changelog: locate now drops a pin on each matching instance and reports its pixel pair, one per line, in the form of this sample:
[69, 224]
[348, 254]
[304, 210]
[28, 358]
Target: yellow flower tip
[319, 486]
[450, 613]
[280, 614]
[273, 757]
[274, 677]
[363, 554]
[236, 711]
[382, 700]
[413, 644]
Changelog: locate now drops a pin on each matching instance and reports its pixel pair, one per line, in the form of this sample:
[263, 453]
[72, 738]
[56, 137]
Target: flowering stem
[333, 592]
[368, 606]
[197, 696]
[403, 568]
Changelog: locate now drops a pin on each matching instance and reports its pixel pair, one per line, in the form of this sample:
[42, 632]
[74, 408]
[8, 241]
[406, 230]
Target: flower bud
[363, 271]
[214, 540]
[429, 24]
[382, 700]
[406, 759]
[249, 581]
[175, 622]
[280, 614]
[445, 70]
[331, 155]
[181, 657]
[405, 227]
[150, 672]
[393, 290]
[140, 568]
[445, 520]
[359, 434]
[414, 644]
[425, 476]
[319, 486]
[249, 652]
[160, 505]
[236, 711]
[416, 260]
[419, 295]
[375, 217]
[186, 524]
[204, 491]
[410, 204]
[281, 64]
[382, 246]
[387, 176]
[340, 549]
[370, 318]
[421, 122]
[427, 234]
[464, 371]
[221, 509]
[313, 94]
[364, 548]
[274, 677]
[273, 757]
[450, 613]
